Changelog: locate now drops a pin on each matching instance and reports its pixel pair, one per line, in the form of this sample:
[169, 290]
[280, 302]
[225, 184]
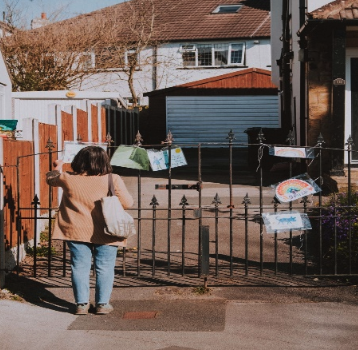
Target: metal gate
[205, 221]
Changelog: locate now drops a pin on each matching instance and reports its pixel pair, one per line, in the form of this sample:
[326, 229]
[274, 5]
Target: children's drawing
[290, 220]
[177, 157]
[71, 148]
[132, 157]
[294, 188]
[291, 152]
[157, 160]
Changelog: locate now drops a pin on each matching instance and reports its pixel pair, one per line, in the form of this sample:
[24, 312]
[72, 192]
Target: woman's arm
[121, 192]
[52, 177]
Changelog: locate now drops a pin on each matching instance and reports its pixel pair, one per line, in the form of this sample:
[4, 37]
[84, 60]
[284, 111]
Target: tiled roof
[193, 20]
[338, 9]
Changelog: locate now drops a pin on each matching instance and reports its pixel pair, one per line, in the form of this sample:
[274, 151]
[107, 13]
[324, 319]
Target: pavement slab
[170, 316]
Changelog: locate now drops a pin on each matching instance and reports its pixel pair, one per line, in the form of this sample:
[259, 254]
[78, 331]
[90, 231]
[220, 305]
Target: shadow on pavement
[36, 293]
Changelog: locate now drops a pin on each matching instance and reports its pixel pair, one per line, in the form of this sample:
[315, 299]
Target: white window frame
[214, 48]
[129, 52]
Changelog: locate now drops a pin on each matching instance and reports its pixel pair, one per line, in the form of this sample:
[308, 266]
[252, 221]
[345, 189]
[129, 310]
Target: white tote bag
[118, 222]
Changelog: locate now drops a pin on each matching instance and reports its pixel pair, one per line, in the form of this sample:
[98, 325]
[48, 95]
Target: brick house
[318, 73]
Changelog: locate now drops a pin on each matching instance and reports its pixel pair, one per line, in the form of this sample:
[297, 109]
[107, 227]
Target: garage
[205, 111]
[194, 119]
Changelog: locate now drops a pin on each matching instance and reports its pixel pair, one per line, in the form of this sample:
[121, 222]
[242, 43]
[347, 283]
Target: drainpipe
[302, 102]
[287, 56]
[155, 68]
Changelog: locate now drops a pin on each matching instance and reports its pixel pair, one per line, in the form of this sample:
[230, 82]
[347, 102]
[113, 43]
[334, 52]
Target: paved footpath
[173, 318]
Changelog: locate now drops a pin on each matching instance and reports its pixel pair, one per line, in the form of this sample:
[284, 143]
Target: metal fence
[122, 123]
[205, 220]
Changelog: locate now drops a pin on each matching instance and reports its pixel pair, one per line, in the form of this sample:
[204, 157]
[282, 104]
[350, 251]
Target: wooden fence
[24, 164]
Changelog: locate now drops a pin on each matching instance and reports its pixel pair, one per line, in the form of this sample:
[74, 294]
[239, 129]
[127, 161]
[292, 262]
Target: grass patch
[40, 251]
[201, 290]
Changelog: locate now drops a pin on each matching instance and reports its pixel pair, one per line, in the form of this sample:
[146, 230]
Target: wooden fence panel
[67, 127]
[46, 132]
[104, 125]
[82, 125]
[14, 196]
[94, 112]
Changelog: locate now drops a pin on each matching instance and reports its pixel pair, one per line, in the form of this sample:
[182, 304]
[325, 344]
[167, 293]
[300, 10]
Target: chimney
[40, 22]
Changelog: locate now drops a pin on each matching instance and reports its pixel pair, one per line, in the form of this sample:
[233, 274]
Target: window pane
[205, 55]
[188, 59]
[221, 58]
[109, 57]
[227, 9]
[132, 58]
[221, 54]
[236, 53]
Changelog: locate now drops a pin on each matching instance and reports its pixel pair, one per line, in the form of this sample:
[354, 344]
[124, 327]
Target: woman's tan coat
[80, 215]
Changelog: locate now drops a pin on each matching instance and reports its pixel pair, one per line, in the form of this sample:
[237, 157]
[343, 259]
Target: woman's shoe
[82, 309]
[103, 309]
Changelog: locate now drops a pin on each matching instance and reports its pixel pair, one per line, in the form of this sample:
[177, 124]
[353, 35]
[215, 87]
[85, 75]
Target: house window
[212, 55]
[227, 9]
[131, 58]
[112, 58]
[86, 61]
[205, 56]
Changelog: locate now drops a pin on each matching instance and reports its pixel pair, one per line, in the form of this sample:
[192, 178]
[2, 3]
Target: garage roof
[251, 78]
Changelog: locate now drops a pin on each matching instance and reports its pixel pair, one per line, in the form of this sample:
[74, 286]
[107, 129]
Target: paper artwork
[71, 148]
[159, 160]
[294, 188]
[131, 157]
[291, 220]
[291, 152]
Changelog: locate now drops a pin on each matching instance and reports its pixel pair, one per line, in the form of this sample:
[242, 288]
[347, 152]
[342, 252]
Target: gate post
[49, 146]
[204, 254]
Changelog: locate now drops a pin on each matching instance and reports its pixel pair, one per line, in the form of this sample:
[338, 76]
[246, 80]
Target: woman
[80, 222]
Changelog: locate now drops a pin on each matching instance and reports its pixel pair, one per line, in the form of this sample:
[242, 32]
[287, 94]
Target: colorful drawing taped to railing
[132, 157]
[71, 148]
[159, 160]
[290, 220]
[291, 152]
[294, 188]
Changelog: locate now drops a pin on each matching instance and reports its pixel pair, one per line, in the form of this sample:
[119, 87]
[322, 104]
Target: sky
[68, 8]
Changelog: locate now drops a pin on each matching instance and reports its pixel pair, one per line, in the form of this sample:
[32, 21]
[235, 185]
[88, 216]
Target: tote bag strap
[111, 191]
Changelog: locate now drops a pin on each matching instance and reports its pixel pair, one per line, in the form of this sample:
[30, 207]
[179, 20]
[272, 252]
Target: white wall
[37, 104]
[170, 70]
[5, 91]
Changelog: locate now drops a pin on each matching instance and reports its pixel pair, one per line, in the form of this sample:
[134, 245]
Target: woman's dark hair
[91, 160]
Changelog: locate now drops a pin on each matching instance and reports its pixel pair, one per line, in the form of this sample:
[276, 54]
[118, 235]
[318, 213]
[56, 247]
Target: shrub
[337, 217]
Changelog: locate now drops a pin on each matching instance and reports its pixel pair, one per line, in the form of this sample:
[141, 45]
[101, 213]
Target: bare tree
[62, 55]
[125, 39]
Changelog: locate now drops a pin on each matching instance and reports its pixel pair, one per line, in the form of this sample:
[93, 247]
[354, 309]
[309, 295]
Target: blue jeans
[104, 259]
